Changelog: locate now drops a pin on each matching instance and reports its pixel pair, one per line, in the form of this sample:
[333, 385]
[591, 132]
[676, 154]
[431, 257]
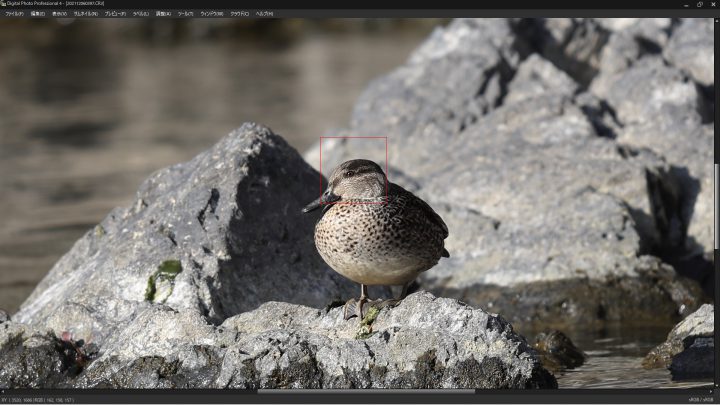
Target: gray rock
[653, 30]
[572, 44]
[648, 91]
[621, 52]
[507, 242]
[537, 77]
[688, 147]
[700, 323]
[552, 220]
[557, 351]
[454, 77]
[601, 116]
[696, 361]
[34, 358]
[691, 48]
[451, 80]
[660, 109]
[215, 236]
[584, 47]
[425, 342]
[523, 217]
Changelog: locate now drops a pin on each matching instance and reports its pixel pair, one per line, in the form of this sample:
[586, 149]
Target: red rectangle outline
[386, 169]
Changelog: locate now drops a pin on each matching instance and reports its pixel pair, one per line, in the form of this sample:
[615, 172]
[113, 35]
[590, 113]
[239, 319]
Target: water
[88, 110]
[614, 357]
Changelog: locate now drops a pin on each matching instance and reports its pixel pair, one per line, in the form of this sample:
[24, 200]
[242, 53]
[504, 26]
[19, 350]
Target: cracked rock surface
[181, 290]
[424, 342]
[699, 324]
[215, 236]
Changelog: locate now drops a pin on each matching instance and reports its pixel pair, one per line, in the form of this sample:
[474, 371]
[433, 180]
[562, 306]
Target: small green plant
[365, 330]
[166, 272]
[99, 231]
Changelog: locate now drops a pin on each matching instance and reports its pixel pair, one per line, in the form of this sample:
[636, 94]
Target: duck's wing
[432, 215]
[418, 204]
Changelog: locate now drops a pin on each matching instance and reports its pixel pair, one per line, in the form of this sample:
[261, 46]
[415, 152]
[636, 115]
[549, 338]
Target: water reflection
[614, 358]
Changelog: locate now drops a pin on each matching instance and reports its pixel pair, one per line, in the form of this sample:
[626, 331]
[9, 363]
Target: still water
[614, 360]
[88, 110]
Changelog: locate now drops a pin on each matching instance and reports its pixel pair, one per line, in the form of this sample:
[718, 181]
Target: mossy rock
[163, 276]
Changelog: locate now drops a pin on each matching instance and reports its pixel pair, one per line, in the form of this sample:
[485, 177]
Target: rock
[659, 109]
[453, 78]
[602, 118]
[150, 298]
[528, 257]
[691, 48]
[215, 236]
[630, 40]
[648, 91]
[583, 47]
[644, 30]
[424, 342]
[572, 44]
[553, 221]
[557, 351]
[696, 361]
[700, 323]
[536, 77]
[35, 358]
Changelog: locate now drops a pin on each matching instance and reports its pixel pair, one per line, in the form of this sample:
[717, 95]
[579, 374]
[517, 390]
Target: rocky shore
[689, 349]
[570, 159]
[181, 289]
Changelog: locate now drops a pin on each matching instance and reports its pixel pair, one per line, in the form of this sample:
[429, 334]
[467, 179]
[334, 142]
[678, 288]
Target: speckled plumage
[379, 240]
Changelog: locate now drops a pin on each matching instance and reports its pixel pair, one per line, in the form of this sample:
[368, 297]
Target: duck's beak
[326, 198]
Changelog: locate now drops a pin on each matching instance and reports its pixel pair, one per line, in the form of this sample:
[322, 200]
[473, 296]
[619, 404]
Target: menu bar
[346, 13]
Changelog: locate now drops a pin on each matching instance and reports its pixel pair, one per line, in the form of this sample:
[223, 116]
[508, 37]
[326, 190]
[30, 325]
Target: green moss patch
[365, 330]
[99, 231]
[163, 276]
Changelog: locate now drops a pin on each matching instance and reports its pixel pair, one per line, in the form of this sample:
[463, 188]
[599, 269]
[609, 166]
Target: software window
[463, 203]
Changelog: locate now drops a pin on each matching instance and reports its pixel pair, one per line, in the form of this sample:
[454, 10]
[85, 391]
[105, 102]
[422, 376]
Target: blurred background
[89, 108]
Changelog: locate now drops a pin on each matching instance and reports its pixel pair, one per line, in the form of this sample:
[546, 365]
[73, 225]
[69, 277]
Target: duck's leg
[347, 314]
[393, 301]
[363, 299]
[404, 292]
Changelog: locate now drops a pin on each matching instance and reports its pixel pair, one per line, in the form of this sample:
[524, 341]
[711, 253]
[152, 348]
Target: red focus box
[375, 138]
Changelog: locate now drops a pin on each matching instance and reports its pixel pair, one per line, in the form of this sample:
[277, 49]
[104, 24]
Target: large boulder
[691, 48]
[454, 77]
[425, 342]
[553, 220]
[699, 324]
[180, 290]
[696, 361]
[572, 44]
[660, 108]
[215, 236]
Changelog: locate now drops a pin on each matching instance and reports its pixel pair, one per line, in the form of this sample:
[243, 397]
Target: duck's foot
[347, 311]
[380, 303]
[355, 307]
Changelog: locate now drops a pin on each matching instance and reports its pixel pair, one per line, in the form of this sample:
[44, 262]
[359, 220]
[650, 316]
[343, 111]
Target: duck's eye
[349, 173]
